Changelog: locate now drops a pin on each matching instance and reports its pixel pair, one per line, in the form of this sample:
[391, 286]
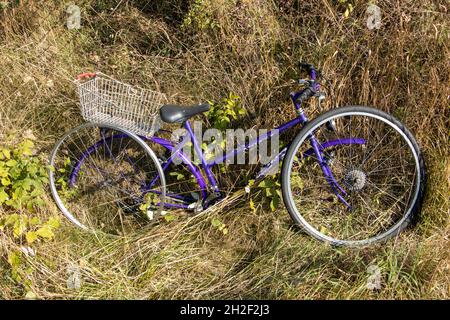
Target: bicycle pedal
[196, 206]
[151, 215]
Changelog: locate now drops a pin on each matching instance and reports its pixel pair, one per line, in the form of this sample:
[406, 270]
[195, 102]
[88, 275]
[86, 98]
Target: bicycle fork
[335, 186]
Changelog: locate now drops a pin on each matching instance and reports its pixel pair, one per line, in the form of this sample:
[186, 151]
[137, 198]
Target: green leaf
[3, 196]
[32, 170]
[216, 222]
[14, 258]
[274, 203]
[45, 232]
[323, 230]
[346, 13]
[169, 217]
[39, 202]
[37, 192]
[31, 236]
[30, 295]
[6, 154]
[179, 176]
[53, 222]
[34, 221]
[266, 183]
[26, 184]
[3, 171]
[252, 205]
[5, 181]
[20, 226]
[11, 219]
[143, 207]
[279, 193]
[26, 147]
[11, 163]
[263, 184]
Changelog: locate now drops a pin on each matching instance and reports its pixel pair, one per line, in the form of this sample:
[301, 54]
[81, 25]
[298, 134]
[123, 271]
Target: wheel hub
[355, 180]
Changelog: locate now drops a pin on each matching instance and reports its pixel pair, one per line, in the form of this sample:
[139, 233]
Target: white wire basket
[105, 100]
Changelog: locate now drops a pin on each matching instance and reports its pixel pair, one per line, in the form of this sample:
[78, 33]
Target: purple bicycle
[352, 176]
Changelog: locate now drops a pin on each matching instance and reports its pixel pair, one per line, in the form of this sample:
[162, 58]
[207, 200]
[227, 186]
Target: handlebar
[312, 87]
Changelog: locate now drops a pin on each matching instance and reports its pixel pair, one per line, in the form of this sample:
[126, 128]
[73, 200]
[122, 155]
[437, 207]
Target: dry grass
[252, 49]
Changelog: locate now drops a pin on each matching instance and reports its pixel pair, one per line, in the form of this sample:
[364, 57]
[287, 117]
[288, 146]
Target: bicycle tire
[301, 137]
[139, 143]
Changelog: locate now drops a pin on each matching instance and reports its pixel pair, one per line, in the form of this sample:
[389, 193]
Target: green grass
[251, 49]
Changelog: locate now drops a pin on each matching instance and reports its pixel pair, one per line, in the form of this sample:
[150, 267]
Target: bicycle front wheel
[107, 179]
[353, 176]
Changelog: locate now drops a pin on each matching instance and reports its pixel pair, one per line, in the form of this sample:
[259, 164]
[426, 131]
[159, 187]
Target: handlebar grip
[306, 94]
[86, 75]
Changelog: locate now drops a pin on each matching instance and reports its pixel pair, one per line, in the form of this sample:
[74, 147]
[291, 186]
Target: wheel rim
[380, 193]
[101, 178]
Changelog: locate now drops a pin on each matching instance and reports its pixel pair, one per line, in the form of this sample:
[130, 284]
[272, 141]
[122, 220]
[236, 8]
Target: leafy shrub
[199, 17]
[221, 114]
[29, 228]
[269, 191]
[23, 178]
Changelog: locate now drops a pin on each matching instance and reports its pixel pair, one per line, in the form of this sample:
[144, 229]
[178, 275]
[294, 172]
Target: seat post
[198, 151]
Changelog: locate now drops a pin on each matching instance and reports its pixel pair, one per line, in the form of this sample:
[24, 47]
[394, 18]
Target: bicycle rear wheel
[379, 174]
[106, 179]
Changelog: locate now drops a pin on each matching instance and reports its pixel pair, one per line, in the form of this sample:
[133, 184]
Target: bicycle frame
[211, 184]
[209, 188]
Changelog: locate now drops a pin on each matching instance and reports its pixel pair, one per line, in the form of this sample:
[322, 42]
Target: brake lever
[305, 82]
